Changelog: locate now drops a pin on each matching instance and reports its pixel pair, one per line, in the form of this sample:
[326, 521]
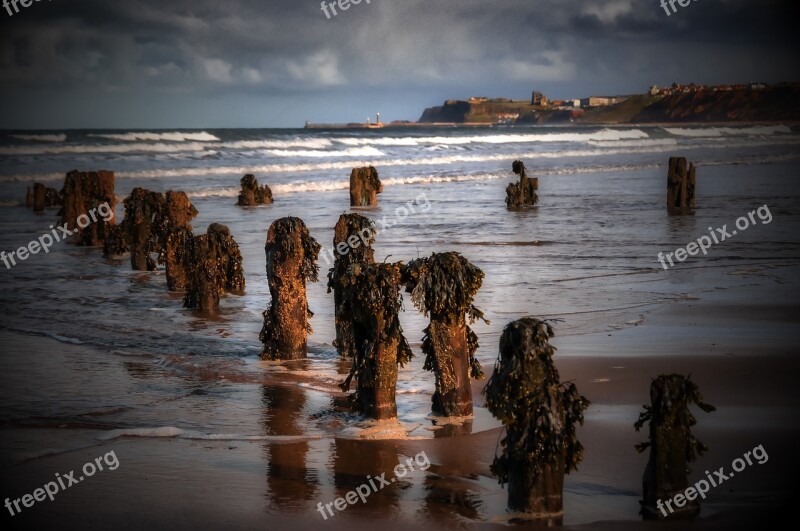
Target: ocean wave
[603, 135]
[365, 151]
[344, 183]
[175, 136]
[699, 132]
[41, 138]
[426, 161]
[444, 160]
[145, 146]
[634, 143]
[311, 143]
[102, 148]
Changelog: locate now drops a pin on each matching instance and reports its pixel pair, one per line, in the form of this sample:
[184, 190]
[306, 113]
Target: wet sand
[273, 481]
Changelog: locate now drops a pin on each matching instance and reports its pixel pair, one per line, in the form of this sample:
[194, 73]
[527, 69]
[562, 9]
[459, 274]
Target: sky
[276, 63]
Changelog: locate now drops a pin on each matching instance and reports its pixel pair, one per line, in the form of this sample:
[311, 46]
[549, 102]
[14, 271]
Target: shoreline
[753, 393]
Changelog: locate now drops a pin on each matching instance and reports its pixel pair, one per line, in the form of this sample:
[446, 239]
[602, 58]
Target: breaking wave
[175, 136]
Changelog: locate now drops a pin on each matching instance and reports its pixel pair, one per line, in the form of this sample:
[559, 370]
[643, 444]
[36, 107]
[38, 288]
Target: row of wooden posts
[525, 393]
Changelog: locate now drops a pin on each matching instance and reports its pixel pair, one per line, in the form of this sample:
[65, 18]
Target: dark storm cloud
[140, 52]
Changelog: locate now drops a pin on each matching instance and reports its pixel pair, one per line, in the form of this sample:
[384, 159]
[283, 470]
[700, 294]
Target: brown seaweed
[84, 192]
[353, 238]
[365, 185]
[291, 262]
[214, 268]
[671, 442]
[539, 414]
[523, 193]
[372, 298]
[252, 194]
[443, 287]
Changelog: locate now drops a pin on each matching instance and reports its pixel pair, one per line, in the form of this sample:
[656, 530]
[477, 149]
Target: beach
[98, 358]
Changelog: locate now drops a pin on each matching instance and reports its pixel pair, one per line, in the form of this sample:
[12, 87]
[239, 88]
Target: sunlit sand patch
[380, 430]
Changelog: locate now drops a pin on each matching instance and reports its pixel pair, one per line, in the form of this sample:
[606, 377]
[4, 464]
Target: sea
[136, 363]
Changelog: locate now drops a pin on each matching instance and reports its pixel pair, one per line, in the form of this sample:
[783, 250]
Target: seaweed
[291, 262]
[358, 234]
[523, 193]
[443, 287]
[539, 413]
[672, 444]
[213, 267]
[252, 194]
[372, 299]
[365, 185]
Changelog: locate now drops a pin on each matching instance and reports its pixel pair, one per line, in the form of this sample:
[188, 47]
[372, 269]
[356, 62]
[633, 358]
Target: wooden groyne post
[365, 185]
[672, 445]
[252, 194]
[352, 244]
[84, 193]
[291, 262]
[681, 186]
[214, 267]
[175, 237]
[372, 292]
[443, 287]
[540, 415]
[523, 193]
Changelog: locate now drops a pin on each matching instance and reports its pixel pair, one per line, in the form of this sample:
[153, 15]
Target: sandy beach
[185, 480]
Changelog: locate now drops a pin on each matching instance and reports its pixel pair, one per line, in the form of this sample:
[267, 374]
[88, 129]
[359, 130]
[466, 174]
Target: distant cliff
[779, 103]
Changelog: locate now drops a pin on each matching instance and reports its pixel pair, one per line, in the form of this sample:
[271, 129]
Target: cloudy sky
[277, 63]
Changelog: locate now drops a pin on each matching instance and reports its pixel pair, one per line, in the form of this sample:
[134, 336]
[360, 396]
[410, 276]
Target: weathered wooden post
[365, 185]
[291, 262]
[252, 194]
[116, 242]
[143, 210]
[372, 292]
[540, 415]
[82, 194]
[215, 267]
[38, 197]
[202, 291]
[41, 197]
[229, 259]
[672, 445]
[352, 244]
[681, 186]
[522, 193]
[175, 235]
[443, 287]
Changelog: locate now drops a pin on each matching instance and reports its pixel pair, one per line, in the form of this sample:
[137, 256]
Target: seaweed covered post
[175, 236]
[681, 183]
[353, 238]
[202, 292]
[143, 213]
[522, 193]
[230, 270]
[252, 194]
[41, 197]
[365, 185]
[214, 268]
[539, 414]
[38, 197]
[443, 287]
[372, 294]
[672, 445]
[291, 262]
[116, 242]
[83, 194]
